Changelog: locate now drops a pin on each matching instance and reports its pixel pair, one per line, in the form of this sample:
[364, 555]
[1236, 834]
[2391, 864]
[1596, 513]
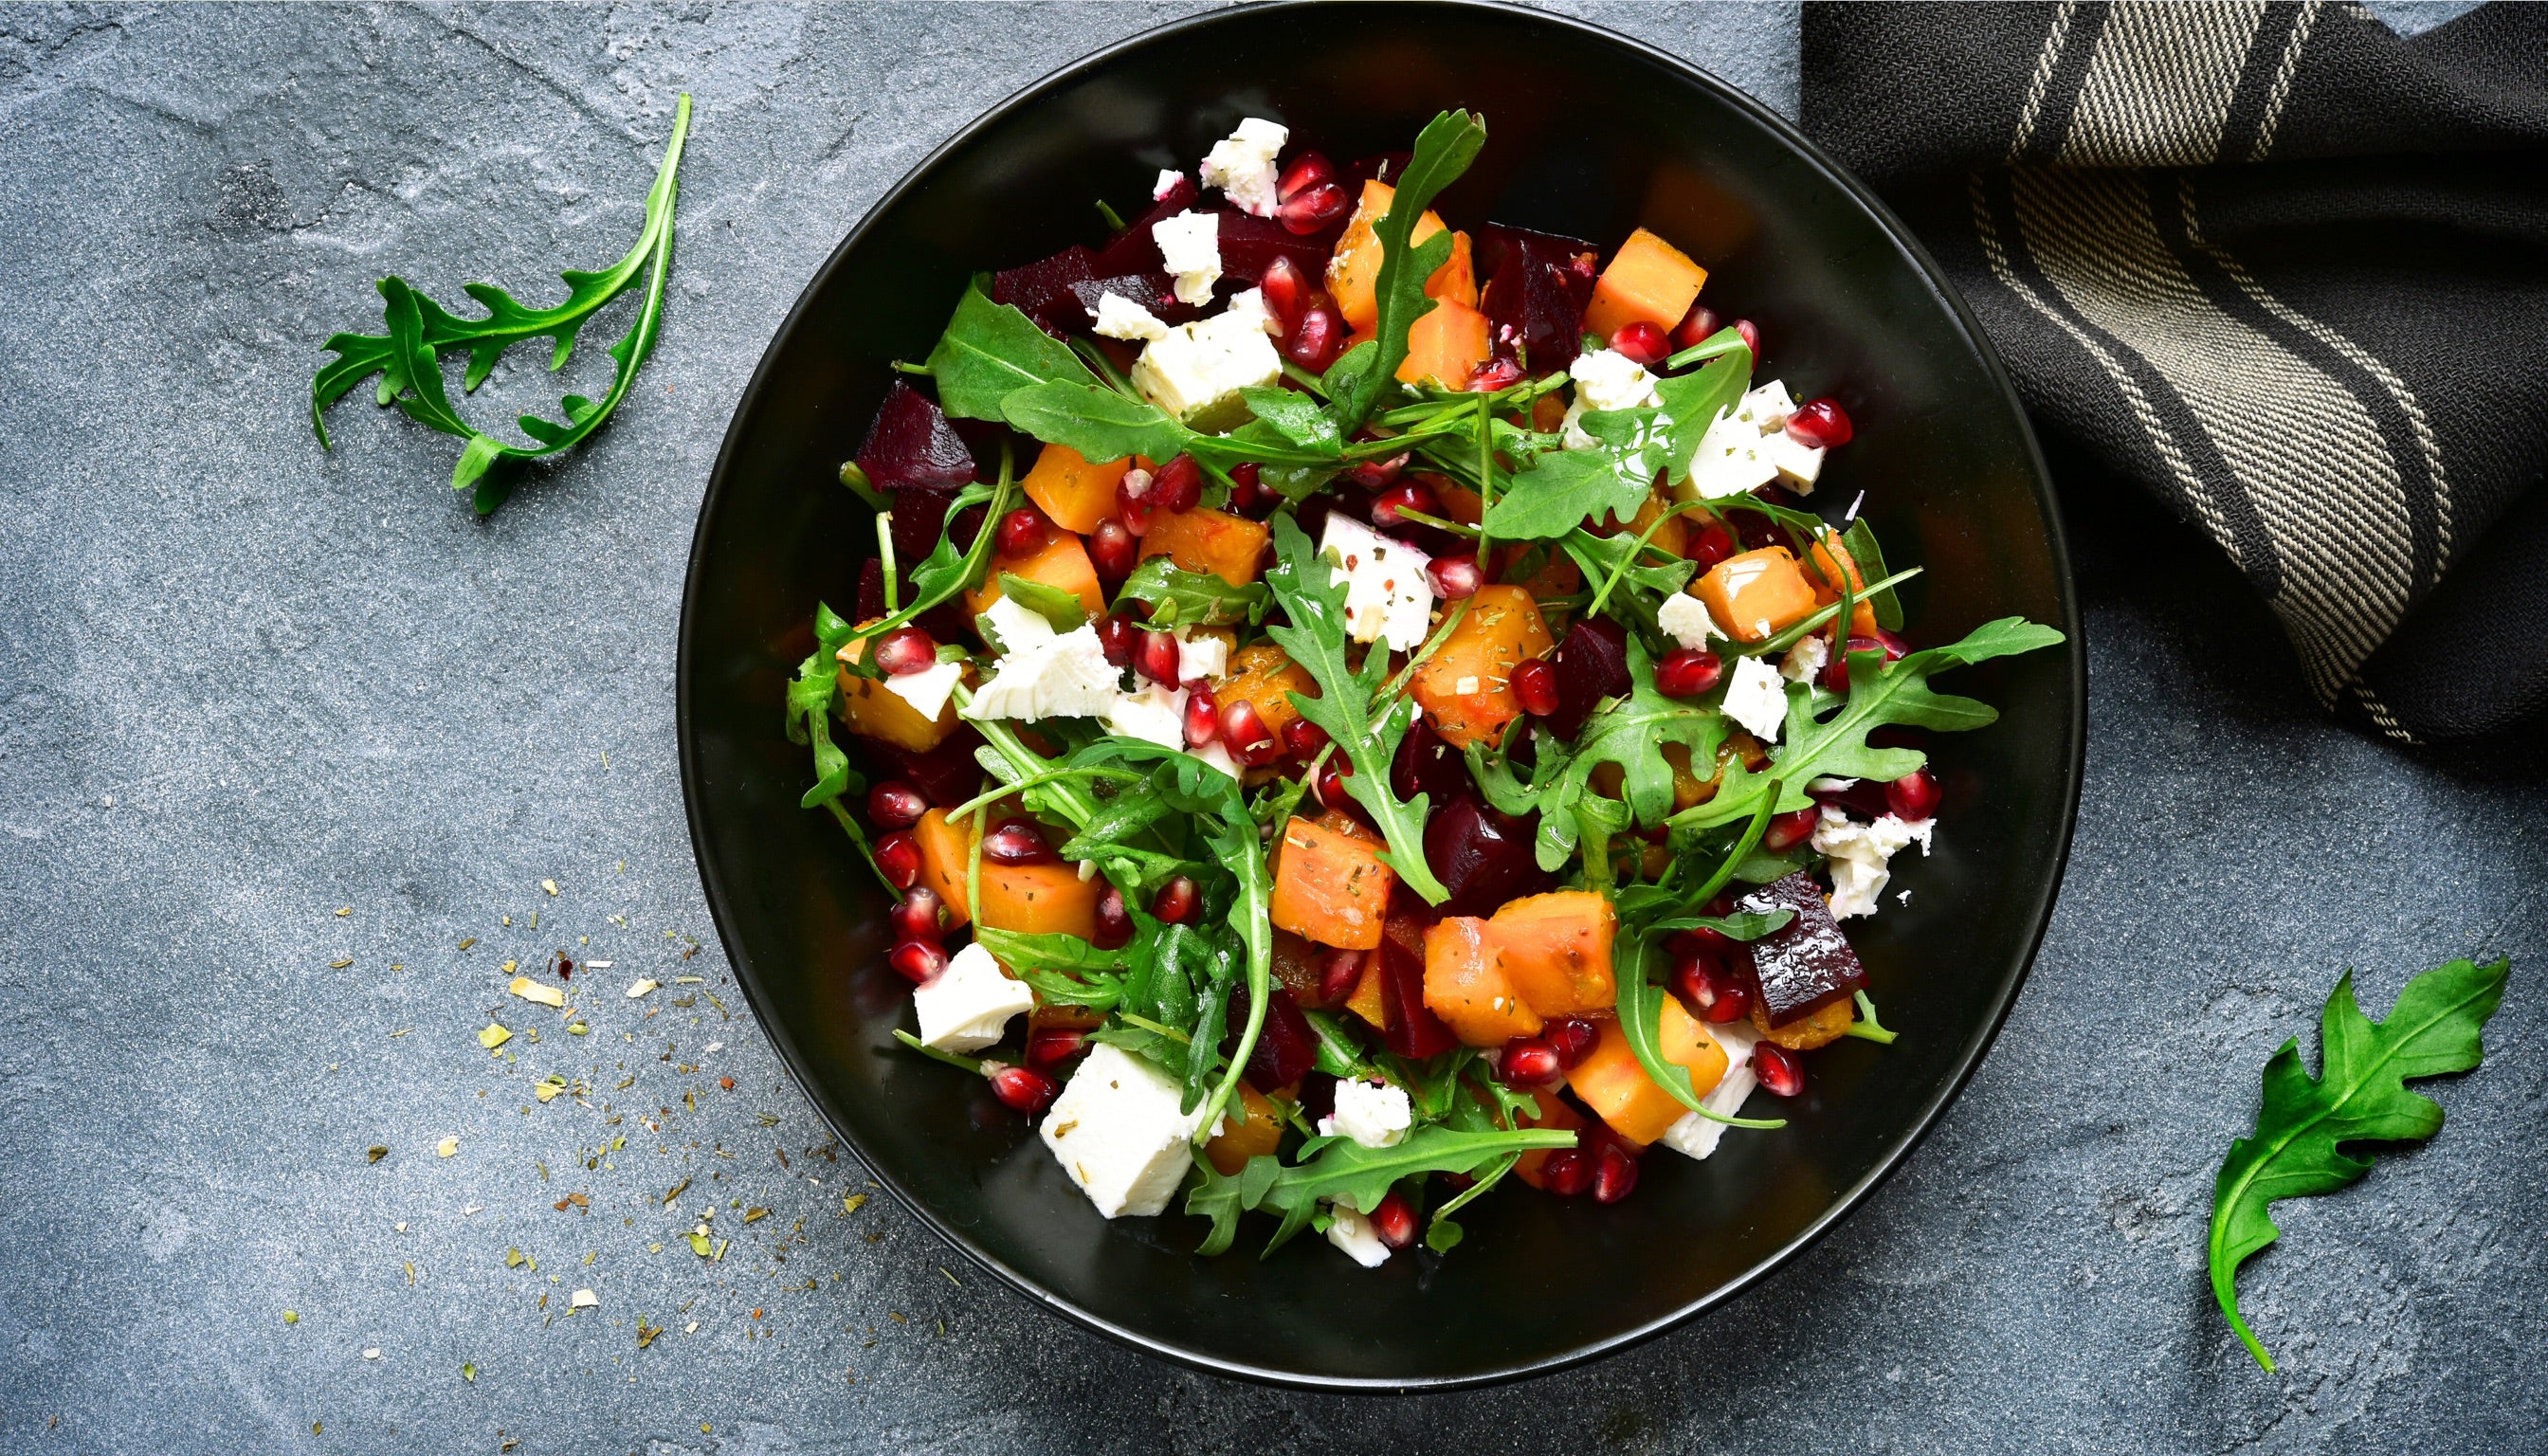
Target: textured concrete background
[249, 686]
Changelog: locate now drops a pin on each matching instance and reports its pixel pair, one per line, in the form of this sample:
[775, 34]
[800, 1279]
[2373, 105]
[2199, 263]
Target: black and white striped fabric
[2282, 265]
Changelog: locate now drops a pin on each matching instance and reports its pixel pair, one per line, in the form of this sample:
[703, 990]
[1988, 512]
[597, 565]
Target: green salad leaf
[1098, 422]
[1692, 400]
[990, 350]
[1443, 151]
[809, 708]
[1062, 609]
[1296, 418]
[1563, 489]
[1346, 1170]
[2359, 1096]
[1182, 599]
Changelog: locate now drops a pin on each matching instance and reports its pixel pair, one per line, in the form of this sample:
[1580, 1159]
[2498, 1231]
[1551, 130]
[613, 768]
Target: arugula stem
[1723, 341]
[1743, 845]
[966, 1063]
[890, 572]
[1317, 387]
[1867, 1027]
[1788, 638]
[1454, 527]
[905, 366]
[1036, 781]
[1154, 1028]
[1645, 539]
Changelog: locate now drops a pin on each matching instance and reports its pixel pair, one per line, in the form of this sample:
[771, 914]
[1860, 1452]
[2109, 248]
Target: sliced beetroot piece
[1156, 292]
[1807, 965]
[911, 444]
[1538, 285]
[1592, 663]
[1250, 244]
[1134, 251]
[948, 774]
[1043, 290]
[1285, 1048]
[1482, 857]
[1427, 765]
[1412, 1030]
[945, 621]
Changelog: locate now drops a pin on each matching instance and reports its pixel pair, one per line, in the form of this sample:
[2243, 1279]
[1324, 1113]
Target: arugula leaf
[1859, 542]
[2359, 1096]
[991, 350]
[1631, 734]
[1564, 488]
[809, 706]
[407, 360]
[1305, 584]
[1062, 609]
[1066, 970]
[1296, 417]
[1184, 599]
[1096, 422]
[1618, 561]
[1692, 400]
[1346, 1170]
[1443, 151]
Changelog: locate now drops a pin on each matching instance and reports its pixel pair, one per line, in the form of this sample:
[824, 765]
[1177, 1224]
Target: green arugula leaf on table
[2359, 1096]
[1346, 1170]
[1305, 584]
[1182, 599]
[1443, 151]
[991, 350]
[408, 356]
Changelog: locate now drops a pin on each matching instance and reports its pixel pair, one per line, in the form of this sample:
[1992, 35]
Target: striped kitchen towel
[2279, 263]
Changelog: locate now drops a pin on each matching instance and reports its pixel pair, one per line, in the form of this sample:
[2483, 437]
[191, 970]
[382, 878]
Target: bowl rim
[1846, 1199]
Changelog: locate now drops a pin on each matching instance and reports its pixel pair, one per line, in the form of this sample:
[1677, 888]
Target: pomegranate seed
[1835, 675]
[1696, 326]
[898, 855]
[1049, 1045]
[1573, 1037]
[1133, 503]
[1710, 989]
[1203, 717]
[1115, 635]
[894, 804]
[1021, 534]
[1687, 672]
[1711, 544]
[1247, 492]
[1395, 1221]
[1017, 842]
[1308, 169]
[1733, 1001]
[1249, 741]
[1493, 375]
[1781, 1073]
[921, 916]
[1024, 1088]
[1751, 332]
[1454, 576]
[1339, 971]
[1331, 787]
[1641, 341]
[1177, 902]
[1307, 212]
[1380, 475]
[1914, 795]
[1535, 683]
[1317, 339]
[1114, 922]
[1568, 1171]
[1820, 424]
[1614, 1173]
[1155, 655]
[1304, 737]
[1287, 294]
[1787, 831]
[1177, 486]
[1113, 550]
[905, 651]
[918, 961]
[1529, 1063]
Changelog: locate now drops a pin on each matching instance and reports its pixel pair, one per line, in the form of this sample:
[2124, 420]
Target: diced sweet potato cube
[1554, 1111]
[872, 709]
[1465, 688]
[1443, 345]
[1073, 491]
[1353, 273]
[1757, 595]
[1649, 281]
[1618, 1089]
[1330, 888]
[1256, 1132]
[945, 852]
[1455, 282]
[1061, 563]
[1459, 503]
[1819, 1028]
[1058, 1016]
[1465, 986]
[1265, 676]
[1557, 951]
[1035, 900]
[1231, 547]
[1828, 567]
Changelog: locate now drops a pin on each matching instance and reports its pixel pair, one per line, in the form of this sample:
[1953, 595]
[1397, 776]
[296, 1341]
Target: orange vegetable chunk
[1649, 281]
[1265, 677]
[1353, 273]
[1465, 688]
[1256, 1132]
[870, 708]
[1062, 562]
[945, 851]
[1616, 1087]
[1330, 886]
[1465, 984]
[1367, 1000]
[1035, 900]
[1557, 951]
[1757, 595]
[1231, 547]
[1835, 565]
[1070, 489]
[1554, 1111]
[1443, 345]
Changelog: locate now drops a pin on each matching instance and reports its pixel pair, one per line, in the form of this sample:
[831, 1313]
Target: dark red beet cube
[1412, 1030]
[1427, 765]
[948, 774]
[1044, 291]
[1537, 287]
[1806, 966]
[1592, 663]
[919, 517]
[1285, 1048]
[1482, 857]
[1250, 244]
[911, 444]
[1156, 292]
[1134, 251]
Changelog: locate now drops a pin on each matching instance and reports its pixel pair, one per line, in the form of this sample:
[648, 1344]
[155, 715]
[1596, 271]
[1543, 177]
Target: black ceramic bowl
[1588, 135]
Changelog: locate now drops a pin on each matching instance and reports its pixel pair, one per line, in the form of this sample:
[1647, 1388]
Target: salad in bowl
[1357, 712]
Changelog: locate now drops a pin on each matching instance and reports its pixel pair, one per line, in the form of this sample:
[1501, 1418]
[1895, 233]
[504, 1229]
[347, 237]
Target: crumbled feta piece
[1698, 1136]
[1118, 1133]
[1169, 177]
[1767, 406]
[1804, 660]
[1387, 598]
[1798, 464]
[967, 1007]
[1215, 754]
[1058, 677]
[1606, 378]
[1242, 165]
[1201, 657]
[927, 690]
[1861, 855]
[1571, 432]
[1017, 626]
[1728, 461]
[1189, 247]
[1757, 697]
[1250, 303]
[1156, 715]
[1373, 1114]
[1352, 1233]
[1686, 617]
[1120, 318]
[1195, 370]
[1464, 687]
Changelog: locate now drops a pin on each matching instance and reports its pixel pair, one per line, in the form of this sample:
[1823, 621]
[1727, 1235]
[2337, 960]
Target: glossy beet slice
[911, 444]
[1592, 663]
[948, 774]
[1806, 966]
[1482, 857]
[1412, 1030]
[1427, 765]
[1044, 291]
[1134, 251]
[1156, 292]
[1250, 244]
[1537, 287]
[1285, 1048]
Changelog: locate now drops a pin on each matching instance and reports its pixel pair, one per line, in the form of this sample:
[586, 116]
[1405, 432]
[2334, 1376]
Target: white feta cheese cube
[1195, 370]
[1189, 247]
[1606, 378]
[1017, 626]
[1373, 1114]
[1687, 618]
[967, 1007]
[1696, 1135]
[1352, 1233]
[927, 690]
[1242, 165]
[1120, 318]
[1156, 715]
[1249, 302]
[1059, 676]
[1757, 697]
[1861, 856]
[1387, 598]
[1571, 432]
[1798, 464]
[1169, 177]
[1767, 406]
[1116, 1130]
[1728, 461]
[1200, 656]
[1804, 660]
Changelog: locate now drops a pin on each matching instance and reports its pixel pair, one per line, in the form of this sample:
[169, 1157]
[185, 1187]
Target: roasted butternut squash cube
[1265, 677]
[1353, 273]
[1330, 886]
[1832, 566]
[1455, 282]
[1619, 1092]
[1649, 281]
[1074, 492]
[1061, 563]
[1554, 1111]
[945, 852]
[1757, 595]
[1231, 547]
[873, 710]
[1466, 687]
[1557, 951]
[1256, 1132]
[1465, 984]
[1553, 572]
[1671, 535]
[1035, 899]
[1443, 345]
[1821, 1027]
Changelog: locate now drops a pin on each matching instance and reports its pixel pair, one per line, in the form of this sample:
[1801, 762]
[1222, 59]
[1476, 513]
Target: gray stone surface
[249, 684]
